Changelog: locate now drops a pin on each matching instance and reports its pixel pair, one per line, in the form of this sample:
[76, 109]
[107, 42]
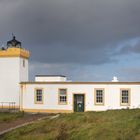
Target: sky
[85, 40]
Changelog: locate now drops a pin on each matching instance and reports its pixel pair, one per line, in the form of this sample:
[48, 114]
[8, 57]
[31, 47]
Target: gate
[7, 106]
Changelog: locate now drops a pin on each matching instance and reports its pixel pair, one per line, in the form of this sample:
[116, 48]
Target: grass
[109, 125]
[8, 117]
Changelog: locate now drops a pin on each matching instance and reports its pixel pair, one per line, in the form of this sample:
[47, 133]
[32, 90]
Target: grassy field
[8, 117]
[109, 125]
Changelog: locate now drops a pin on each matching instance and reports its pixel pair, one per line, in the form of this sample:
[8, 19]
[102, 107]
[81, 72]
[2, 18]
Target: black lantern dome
[14, 43]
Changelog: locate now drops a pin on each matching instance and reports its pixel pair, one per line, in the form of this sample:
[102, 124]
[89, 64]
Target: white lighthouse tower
[13, 70]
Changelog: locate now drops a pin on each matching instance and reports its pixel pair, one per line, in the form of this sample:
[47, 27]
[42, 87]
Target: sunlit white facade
[54, 93]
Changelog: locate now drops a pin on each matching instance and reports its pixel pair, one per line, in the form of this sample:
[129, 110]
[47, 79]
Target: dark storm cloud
[70, 31]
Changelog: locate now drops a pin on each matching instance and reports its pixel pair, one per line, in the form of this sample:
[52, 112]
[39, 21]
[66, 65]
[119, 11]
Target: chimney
[115, 79]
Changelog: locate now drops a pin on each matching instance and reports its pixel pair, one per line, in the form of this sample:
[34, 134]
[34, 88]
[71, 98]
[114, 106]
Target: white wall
[24, 74]
[11, 74]
[112, 96]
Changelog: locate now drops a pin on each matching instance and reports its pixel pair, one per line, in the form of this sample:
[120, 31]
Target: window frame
[103, 96]
[35, 96]
[129, 97]
[59, 102]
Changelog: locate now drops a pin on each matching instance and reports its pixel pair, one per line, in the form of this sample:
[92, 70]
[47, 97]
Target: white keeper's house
[54, 93]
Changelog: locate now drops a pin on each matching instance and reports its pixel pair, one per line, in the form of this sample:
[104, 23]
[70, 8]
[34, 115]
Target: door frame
[84, 100]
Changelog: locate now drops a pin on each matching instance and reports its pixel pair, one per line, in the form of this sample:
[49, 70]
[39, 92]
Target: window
[38, 96]
[62, 96]
[23, 63]
[99, 96]
[125, 97]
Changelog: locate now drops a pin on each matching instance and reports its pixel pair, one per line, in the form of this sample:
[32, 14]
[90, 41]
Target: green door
[78, 103]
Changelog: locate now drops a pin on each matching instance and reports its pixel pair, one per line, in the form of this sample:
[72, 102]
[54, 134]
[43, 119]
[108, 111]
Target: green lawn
[8, 117]
[109, 125]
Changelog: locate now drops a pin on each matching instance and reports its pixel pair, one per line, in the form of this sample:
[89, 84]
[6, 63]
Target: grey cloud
[76, 31]
[132, 73]
[75, 72]
[129, 48]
